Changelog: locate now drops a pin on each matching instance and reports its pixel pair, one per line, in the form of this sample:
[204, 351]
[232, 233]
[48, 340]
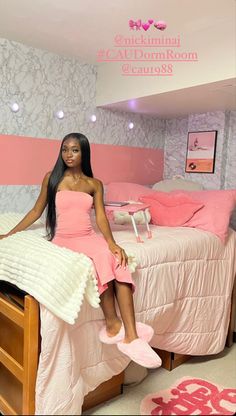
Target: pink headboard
[25, 160]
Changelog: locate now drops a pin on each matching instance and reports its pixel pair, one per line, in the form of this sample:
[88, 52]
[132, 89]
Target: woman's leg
[125, 301]
[113, 323]
[136, 348]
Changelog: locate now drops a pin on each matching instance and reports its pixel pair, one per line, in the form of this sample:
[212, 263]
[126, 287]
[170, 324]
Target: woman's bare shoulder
[46, 178]
[95, 183]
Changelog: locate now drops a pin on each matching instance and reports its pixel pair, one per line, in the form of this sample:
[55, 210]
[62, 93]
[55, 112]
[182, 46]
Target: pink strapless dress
[74, 231]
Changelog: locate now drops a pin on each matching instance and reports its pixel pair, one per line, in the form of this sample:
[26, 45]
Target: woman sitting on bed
[68, 192]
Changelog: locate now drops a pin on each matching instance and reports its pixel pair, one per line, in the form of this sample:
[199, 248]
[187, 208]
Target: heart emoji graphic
[145, 26]
[150, 21]
[160, 25]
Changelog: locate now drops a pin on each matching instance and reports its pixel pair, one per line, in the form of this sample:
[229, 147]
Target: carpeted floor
[219, 369]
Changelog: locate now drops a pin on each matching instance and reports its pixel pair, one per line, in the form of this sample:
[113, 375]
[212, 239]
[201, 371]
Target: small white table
[131, 209]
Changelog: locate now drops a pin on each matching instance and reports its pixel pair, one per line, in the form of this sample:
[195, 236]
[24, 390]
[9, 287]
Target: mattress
[184, 282]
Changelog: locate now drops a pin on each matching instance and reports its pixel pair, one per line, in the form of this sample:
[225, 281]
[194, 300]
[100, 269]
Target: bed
[187, 275]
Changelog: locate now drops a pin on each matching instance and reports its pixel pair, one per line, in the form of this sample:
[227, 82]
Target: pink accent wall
[127, 164]
[25, 160]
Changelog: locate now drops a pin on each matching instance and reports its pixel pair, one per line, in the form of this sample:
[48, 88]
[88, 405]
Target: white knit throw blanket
[57, 277]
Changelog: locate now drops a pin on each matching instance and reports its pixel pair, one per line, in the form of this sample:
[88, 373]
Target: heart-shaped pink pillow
[169, 209]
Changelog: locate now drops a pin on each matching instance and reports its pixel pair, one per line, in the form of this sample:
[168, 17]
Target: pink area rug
[191, 396]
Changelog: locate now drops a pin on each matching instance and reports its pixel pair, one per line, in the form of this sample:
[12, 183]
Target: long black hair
[58, 173]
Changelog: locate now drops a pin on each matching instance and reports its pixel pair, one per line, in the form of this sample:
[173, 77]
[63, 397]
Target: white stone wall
[176, 148]
[230, 162]
[42, 83]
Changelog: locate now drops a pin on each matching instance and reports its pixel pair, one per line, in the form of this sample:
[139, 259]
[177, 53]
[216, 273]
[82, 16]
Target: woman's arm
[103, 224]
[35, 213]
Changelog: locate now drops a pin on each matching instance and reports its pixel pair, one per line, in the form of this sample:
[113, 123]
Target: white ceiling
[78, 28]
[175, 104]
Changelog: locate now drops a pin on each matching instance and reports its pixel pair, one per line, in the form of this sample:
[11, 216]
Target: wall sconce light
[14, 107]
[93, 118]
[59, 114]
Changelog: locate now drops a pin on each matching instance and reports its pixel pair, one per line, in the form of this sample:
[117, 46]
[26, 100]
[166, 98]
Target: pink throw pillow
[169, 209]
[125, 191]
[216, 213]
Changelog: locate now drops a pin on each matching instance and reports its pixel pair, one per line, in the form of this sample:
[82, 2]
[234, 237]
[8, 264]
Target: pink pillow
[215, 215]
[169, 209]
[125, 191]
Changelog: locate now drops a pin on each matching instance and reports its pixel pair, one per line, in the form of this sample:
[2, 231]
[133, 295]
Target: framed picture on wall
[201, 150]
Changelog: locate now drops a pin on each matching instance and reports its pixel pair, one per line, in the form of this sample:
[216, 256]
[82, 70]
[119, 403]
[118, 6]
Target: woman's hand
[120, 254]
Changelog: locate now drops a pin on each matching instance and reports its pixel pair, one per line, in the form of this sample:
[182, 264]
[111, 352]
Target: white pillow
[168, 185]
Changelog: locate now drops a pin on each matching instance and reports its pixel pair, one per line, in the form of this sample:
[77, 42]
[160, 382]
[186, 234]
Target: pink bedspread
[184, 284]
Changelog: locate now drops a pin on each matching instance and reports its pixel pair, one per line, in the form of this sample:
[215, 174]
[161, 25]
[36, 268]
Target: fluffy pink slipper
[144, 332]
[106, 339]
[140, 352]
